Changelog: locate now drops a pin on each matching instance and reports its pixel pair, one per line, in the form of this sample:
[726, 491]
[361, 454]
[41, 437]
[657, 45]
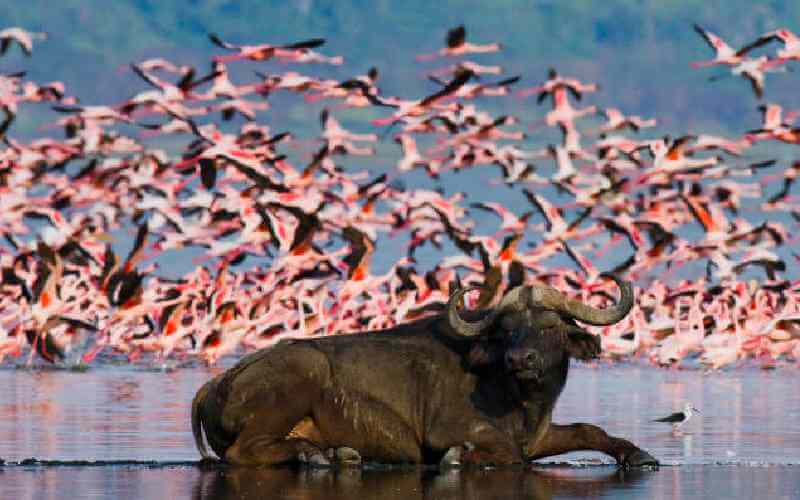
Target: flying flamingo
[419, 107]
[357, 262]
[724, 53]
[21, 37]
[775, 125]
[790, 41]
[340, 140]
[754, 71]
[229, 108]
[478, 69]
[669, 157]
[457, 45]
[618, 121]
[174, 91]
[412, 157]
[773, 117]
[788, 135]
[510, 222]
[557, 82]
[474, 90]
[732, 147]
[99, 113]
[161, 64]
[584, 263]
[263, 52]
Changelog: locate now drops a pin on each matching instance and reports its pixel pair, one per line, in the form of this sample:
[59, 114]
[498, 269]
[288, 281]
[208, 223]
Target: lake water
[134, 425]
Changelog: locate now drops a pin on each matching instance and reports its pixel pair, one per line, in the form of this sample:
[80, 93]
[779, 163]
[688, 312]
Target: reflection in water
[111, 413]
[538, 484]
[687, 445]
[668, 483]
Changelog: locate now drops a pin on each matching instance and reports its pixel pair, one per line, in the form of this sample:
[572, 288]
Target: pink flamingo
[723, 53]
[790, 41]
[457, 45]
[264, 51]
[21, 37]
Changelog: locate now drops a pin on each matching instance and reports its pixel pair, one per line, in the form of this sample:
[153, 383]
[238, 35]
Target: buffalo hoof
[314, 459]
[347, 456]
[455, 455]
[452, 458]
[640, 458]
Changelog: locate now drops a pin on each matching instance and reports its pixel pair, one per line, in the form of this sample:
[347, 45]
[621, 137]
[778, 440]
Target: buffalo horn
[462, 327]
[550, 298]
[523, 298]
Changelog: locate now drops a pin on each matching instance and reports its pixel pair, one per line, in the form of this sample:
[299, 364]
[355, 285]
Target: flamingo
[618, 121]
[339, 140]
[563, 114]
[556, 83]
[773, 117]
[474, 90]
[790, 41]
[263, 52]
[357, 262]
[754, 71]
[421, 106]
[412, 157]
[231, 107]
[478, 69]
[358, 91]
[457, 45]
[510, 222]
[174, 91]
[21, 37]
[704, 142]
[161, 64]
[723, 53]
[98, 113]
[669, 157]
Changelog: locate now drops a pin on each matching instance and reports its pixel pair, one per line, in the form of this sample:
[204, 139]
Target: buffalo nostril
[531, 359]
[525, 360]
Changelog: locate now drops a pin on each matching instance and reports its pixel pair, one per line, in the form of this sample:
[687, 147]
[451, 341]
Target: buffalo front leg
[586, 437]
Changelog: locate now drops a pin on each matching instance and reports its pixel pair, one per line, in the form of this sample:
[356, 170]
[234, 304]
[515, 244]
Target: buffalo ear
[583, 345]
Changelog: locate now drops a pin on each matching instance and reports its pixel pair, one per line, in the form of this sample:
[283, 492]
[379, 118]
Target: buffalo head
[533, 353]
[540, 329]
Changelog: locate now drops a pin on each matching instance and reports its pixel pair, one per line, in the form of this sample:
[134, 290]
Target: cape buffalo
[441, 389]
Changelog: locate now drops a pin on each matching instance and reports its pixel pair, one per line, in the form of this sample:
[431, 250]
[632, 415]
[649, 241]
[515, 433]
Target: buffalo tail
[197, 423]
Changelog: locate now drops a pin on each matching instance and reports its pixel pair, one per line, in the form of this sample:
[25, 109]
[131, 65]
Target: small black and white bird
[679, 418]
